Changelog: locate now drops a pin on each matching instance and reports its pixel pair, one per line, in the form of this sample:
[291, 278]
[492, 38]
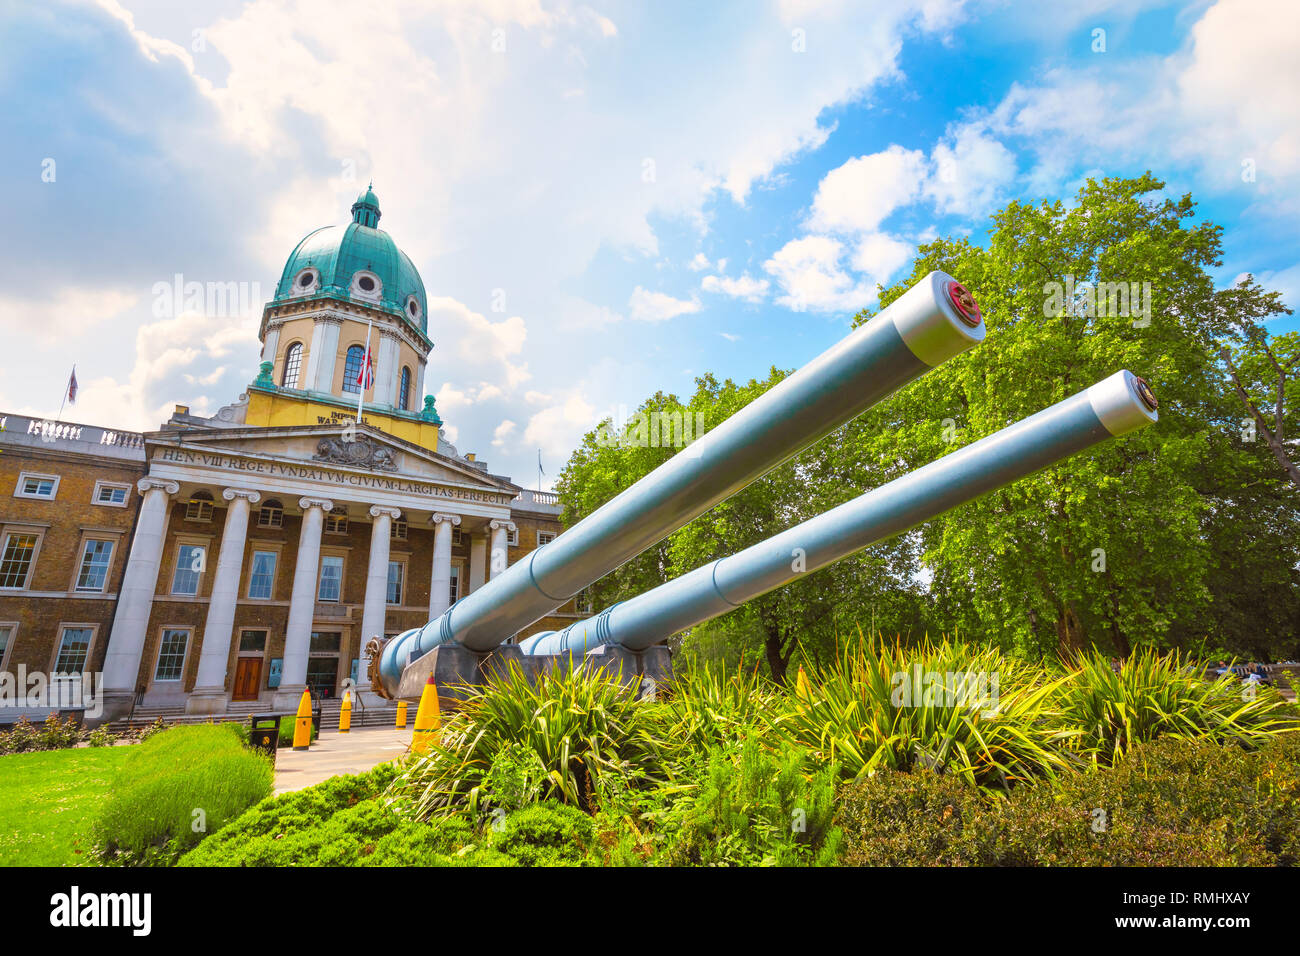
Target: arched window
[352, 369]
[404, 390]
[292, 363]
[199, 507]
[271, 514]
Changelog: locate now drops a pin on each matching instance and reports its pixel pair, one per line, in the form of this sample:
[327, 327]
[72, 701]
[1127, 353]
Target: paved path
[334, 753]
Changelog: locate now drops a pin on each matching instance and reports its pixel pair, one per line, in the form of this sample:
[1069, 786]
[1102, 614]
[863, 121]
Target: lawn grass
[48, 800]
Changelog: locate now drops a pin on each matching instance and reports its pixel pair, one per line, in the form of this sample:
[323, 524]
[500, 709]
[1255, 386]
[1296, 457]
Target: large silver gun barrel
[930, 323]
[1115, 406]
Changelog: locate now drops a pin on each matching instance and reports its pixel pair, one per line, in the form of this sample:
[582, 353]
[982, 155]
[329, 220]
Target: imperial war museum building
[224, 564]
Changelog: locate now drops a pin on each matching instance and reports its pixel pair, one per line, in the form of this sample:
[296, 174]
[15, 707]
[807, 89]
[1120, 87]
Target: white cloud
[658, 306]
[746, 287]
[879, 256]
[969, 173]
[730, 337]
[858, 195]
[502, 433]
[699, 263]
[810, 274]
[68, 311]
[557, 429]
[1210, 106]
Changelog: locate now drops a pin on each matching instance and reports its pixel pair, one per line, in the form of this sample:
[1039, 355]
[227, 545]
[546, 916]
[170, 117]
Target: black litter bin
[315, 713]
[264, 734]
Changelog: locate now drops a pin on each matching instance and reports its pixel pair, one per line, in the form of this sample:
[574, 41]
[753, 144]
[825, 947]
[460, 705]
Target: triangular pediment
[362, 448]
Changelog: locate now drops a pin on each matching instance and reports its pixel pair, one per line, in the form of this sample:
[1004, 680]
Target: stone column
[209, 694]
[440, 581]
[372, 613]
[477, 562]
[270, 344]
[302, 604]
[387, 372]
[126, 642]
[500, 557]
[324, 353]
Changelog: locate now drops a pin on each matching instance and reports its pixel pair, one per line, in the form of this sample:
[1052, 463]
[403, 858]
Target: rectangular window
[74, 648]
[331, 578]
[545, 537]
[399, 530]
[95, 561]
[16, 560]
[455, 536]
[396, 571]
[252, 641]
[336, 524]
[326, 642]
[171, 654]
[270, 516]
[512, 538]
[261, 577]
[111, 494]
[37, 486]
[189, 568]
[6, 635]
[455, 584]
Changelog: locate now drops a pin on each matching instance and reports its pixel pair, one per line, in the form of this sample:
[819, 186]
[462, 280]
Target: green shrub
[55, 733]
[1172, 802]
[571, 736]
[101, 736]
[342, 822]
[544, 834]
[874, 708]
[754, 807]
[175, 787]
[1154, 695]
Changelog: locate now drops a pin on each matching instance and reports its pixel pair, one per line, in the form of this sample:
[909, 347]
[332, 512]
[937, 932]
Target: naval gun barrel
[1115, 406]
[933, 321]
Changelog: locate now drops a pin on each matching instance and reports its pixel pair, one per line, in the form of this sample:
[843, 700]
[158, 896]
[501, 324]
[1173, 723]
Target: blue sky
[603, 199]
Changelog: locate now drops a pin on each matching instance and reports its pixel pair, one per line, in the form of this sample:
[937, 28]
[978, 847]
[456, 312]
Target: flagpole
[365, 360]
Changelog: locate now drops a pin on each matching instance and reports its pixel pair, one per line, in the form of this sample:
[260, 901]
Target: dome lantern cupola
[365, 211]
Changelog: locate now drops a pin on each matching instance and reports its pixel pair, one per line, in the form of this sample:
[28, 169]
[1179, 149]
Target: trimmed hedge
[174, 788]
[1168, 803]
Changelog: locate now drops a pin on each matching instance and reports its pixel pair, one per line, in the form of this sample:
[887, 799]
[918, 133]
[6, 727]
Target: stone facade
[199, 488]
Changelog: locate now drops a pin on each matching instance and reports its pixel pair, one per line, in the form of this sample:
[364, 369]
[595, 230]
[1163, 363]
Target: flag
[72, 386]
[366, 374]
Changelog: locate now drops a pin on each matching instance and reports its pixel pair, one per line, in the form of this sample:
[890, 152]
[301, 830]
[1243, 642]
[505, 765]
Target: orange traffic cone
[345, 713]
[427, 719]
[302, 724]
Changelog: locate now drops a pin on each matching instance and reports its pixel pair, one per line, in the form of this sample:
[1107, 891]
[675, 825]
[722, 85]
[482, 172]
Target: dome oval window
[366, 285]
[306, 282]
[413, 307]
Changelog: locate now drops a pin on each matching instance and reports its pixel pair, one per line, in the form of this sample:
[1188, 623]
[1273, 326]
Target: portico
[330, 536]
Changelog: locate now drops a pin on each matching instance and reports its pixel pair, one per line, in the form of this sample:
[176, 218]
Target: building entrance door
[248, 675]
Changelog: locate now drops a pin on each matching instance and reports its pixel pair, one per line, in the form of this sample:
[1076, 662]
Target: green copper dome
[359, 263]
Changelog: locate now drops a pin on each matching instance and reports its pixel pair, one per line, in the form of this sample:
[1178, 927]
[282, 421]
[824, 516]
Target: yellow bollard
[401, 714]
[345, 713]
[302, 725]
[427, 720]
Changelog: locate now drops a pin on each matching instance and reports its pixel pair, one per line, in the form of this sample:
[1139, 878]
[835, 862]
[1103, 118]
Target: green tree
[1112, 545]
